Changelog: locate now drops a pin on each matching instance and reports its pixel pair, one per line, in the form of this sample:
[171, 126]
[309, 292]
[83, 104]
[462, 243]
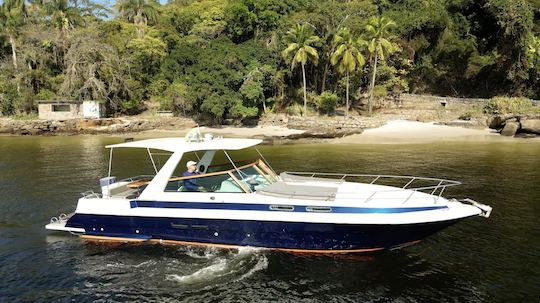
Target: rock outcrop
[90, 126]
[524, 126]
[531, 126]
[510, 129]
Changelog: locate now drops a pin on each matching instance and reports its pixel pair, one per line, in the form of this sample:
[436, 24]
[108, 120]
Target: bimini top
[182, 145]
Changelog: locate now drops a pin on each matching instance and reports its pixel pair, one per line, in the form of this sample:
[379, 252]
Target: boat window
[282, 207]
[242, 179]
[219, 183]
[319, 209]
[179, 226]
[253, 177]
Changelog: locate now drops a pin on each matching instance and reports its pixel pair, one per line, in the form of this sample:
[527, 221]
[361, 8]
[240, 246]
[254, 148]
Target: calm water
[478, 260]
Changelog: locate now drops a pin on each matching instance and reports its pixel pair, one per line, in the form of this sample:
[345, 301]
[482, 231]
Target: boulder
[531, 126]
[34, 131]
[494, 122]
[497, 121]
[6, 129]
[510, 129]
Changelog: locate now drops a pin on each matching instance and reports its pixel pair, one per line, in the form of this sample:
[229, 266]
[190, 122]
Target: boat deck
[302, 190]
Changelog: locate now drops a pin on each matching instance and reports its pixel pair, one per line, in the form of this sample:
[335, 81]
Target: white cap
[190, 163]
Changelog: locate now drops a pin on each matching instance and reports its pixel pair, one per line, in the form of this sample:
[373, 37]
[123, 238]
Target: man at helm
[191, 184]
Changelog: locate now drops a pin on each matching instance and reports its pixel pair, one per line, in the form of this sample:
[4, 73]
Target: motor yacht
[250, 205]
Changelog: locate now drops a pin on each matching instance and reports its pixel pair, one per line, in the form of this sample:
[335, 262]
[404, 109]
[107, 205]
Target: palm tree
[300, 41]
[63, 15]
[140, 12]
[347, 57]
[12, 17]
[378, 29]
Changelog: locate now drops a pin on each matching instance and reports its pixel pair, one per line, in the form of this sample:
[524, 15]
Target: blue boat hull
[275, 235]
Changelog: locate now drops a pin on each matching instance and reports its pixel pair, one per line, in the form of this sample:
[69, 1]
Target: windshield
[243, 179]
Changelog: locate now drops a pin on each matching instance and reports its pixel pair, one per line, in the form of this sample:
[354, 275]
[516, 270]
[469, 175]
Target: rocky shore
[313, 127]
[523, 126]
[90, 126]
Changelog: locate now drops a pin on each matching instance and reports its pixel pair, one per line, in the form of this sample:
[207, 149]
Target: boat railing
[433, 186]
[91, 195]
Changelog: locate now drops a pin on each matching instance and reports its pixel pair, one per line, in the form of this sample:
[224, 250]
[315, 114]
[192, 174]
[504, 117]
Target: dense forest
[218, 59]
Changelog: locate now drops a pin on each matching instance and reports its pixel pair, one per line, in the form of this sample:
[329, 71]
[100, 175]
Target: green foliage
[379, 46]
[347, 56]
[212, 20]
[232, 59]
[466, 116]
[326, 102]
[252, 90]
[248, 18]
[129, 106]
[301, 49]
[45, 94]
[380, 91]
[378, 33]
[12, 16]
[139, 12]
[95, 73]
[157, 87]
[176, 93]
[300, 45]
[508, 105]
[8, 96]
[295, 109]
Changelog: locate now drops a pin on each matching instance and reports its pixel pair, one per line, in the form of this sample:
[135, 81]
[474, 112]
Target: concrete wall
[46, 111]
[321, 123]
[438, 99]
[332, 123]
[93, 110]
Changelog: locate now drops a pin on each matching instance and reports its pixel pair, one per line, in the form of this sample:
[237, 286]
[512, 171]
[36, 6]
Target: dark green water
[478, 260]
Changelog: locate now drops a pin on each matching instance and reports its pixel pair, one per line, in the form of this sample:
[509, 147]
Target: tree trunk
[264, 104]
[13, 51]
[326, 67]
[63, 38]
[14, 55]
[372, 86]
[305, 93]
[347, 97]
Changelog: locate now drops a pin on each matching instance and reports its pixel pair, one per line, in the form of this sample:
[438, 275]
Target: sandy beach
[229, 131]
[393, 132]
[403, 131]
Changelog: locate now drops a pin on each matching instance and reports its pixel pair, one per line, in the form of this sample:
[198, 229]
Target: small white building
[65, 110]
[93, 109]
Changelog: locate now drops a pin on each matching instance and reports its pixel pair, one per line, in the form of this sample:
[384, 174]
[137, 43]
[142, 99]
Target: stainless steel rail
[408, 181]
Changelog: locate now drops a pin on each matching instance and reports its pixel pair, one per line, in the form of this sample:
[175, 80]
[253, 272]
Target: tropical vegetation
[238, 59]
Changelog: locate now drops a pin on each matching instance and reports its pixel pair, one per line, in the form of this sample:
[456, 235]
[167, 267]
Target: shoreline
[392, 132]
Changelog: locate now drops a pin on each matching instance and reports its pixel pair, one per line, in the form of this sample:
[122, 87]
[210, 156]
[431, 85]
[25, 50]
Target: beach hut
[69, 109]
